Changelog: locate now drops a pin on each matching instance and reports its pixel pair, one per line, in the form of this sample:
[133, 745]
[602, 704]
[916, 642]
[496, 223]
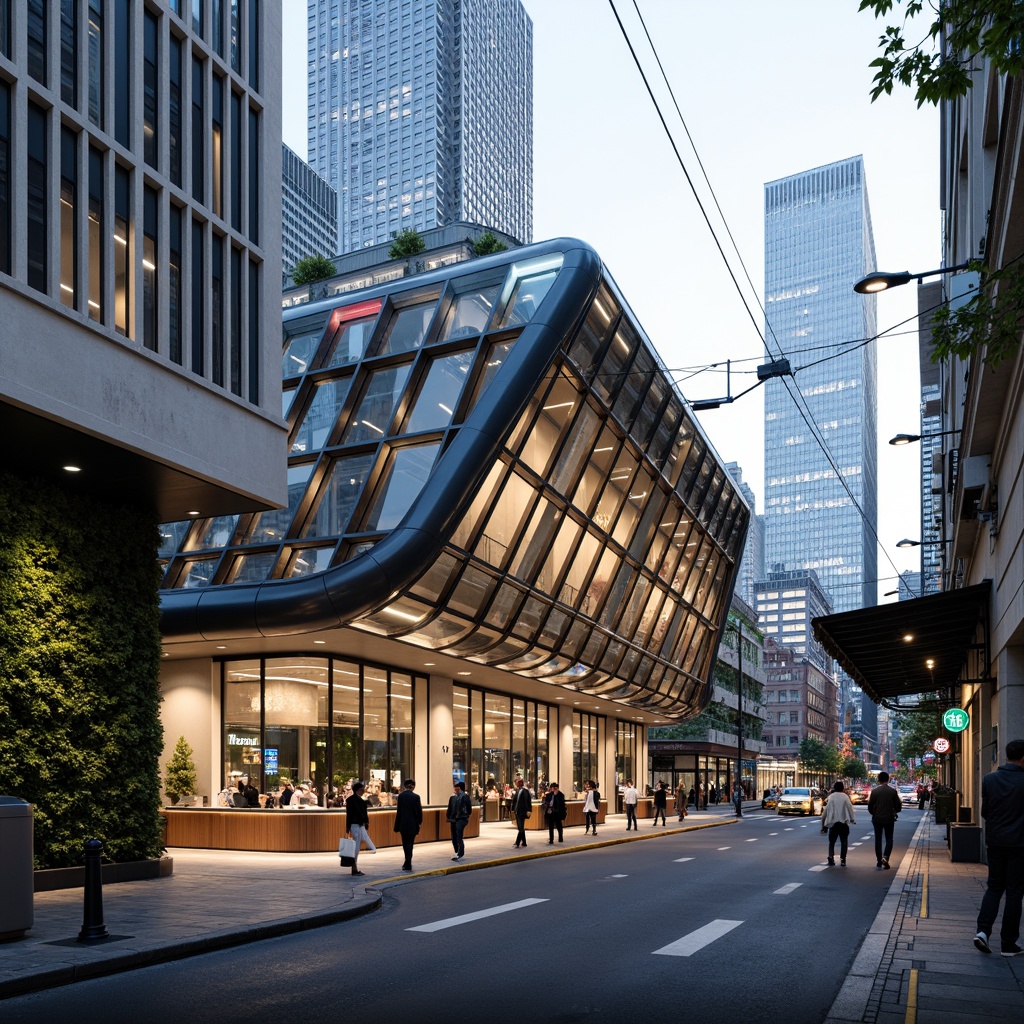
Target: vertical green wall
[80, 732]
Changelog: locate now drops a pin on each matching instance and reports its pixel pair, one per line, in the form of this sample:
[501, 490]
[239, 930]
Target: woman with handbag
[357, 822]
[591, 805]
[836, 819]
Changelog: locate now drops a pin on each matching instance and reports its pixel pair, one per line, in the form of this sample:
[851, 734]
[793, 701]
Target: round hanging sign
[941, 745]
[956, 719]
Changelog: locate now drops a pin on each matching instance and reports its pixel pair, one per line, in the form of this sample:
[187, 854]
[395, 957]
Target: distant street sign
[956, 719]
[929, 757]
[940, 745]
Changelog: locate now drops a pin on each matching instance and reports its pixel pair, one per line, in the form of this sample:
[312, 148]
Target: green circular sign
[956, 719]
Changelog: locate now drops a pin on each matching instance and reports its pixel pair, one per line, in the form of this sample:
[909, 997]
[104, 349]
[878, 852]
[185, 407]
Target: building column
[561, 751]
[439, 732]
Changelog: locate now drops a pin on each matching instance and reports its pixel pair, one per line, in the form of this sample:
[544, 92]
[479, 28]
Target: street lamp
[908, 543]
[902, 439]
[880, 281]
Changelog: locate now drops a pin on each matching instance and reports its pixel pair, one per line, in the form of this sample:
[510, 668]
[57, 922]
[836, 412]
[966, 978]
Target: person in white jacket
[836, 819]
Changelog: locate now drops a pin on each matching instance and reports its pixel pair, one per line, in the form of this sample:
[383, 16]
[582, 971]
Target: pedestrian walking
[591, 805]
[408, 819]
[357, 822]
[884, 805]
[737, 801]
[836, 818]
[681, 800]
[1002, 810]
[660, 803]
[630, 797]
[459, 810]
[521, 808]
[554, 812]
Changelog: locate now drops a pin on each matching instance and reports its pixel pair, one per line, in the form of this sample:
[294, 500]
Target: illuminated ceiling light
[445, 408]
[120, 239]
[372, 426]
[608, 449]
[428, 664]
[148, 265]
[929, 663]
[222, 647]
[67, 288]
[908, 637]
[559, 405]
[465, 673]
[72, 469]
[194, 512]
[319, 641]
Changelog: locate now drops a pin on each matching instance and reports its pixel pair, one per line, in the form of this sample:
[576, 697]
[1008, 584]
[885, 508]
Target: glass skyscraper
[818, 242]
[420, 113]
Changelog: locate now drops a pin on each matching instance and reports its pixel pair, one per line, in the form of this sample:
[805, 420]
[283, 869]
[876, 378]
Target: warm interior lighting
[72, 469]
[908, 637]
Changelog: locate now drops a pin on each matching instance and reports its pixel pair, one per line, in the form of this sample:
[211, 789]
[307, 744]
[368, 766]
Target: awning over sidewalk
[918, 646]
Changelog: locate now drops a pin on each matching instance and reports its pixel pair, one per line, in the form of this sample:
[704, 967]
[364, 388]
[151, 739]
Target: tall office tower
[786, 600]
[752, 565]
[817, 244]
[309, 212]
[421, 113]
[929, 299]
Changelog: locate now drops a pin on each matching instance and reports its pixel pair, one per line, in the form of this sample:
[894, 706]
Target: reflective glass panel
[198, 572]
[579, 571]
[578, 448]
[372, 419]
[506, 517]
[401, 730]
[321, 416]
[469, 313]
[472, 593]
[535, 542]
[349, 345]
[495, 360]
[434, 581]
[213, 533]
[602, 458]
[252, 568]
[404, 477]
[553, 418]
[299, 350]
[439, 394]
[375, 725]
[466, 530]
[274, 525]
[407, 329]
[594, 331]
[527, 296]
[558, 558]
[242, 750]
[616, 359]
[307, 561]
[337, 498]
[171, 535]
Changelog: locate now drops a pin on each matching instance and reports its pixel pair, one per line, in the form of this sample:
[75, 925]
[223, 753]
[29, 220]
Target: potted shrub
[181, 772]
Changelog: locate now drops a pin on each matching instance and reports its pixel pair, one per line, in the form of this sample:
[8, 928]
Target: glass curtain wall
[625, 753]
[585, 740]
[319, 721]
[497, 739]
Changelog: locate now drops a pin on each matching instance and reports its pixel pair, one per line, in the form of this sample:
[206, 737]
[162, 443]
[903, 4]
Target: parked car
[800, 800]
[907, 792]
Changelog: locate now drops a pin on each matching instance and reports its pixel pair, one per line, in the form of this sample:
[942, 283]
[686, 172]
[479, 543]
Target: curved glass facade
[489, 461]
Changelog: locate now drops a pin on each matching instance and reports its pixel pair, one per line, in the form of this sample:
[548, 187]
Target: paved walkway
[917, 965]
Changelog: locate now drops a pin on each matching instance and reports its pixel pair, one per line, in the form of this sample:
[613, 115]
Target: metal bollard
[93, 928]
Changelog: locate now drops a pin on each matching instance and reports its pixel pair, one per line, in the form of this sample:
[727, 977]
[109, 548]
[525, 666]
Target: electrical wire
[795, 394]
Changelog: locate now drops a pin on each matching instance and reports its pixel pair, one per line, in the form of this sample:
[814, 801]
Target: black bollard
[93, 928]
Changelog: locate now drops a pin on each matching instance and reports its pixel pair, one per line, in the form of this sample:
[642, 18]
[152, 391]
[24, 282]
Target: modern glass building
[508, 547]
[818, 242]
[421, 113]
[309, 212]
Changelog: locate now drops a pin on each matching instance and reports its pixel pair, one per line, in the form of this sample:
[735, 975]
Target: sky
[766, 90]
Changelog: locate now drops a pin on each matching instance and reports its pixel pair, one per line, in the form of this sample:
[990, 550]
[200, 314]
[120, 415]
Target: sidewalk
[916, 964]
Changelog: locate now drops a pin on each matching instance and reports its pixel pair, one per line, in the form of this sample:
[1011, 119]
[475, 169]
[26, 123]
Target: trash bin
[965, 843]
[16, 908]
[945, 807]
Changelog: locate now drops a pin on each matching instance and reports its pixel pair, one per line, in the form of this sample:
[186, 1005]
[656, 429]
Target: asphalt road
[720, 925]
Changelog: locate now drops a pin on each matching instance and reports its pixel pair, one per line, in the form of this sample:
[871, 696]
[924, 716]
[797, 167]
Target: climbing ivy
[79, 665]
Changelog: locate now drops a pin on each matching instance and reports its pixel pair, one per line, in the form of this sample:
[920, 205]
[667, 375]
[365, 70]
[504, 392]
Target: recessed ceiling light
[465, 673]
[72, 469]
[222, 647]
[428, 664]
[319, 641]
[193, 513]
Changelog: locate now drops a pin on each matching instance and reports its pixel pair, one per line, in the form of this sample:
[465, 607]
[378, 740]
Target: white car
[799, 800]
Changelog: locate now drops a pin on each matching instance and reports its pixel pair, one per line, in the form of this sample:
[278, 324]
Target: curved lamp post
[880, 280]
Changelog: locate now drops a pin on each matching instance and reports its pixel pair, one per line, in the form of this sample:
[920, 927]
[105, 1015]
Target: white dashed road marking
[451, 922]
[787, 889]
[695, 941]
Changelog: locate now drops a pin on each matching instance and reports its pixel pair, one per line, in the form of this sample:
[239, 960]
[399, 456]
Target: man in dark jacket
[521, 808]
[883, 805]
[408, 819]
[1002, 809]
[459, 810]
[554, 812]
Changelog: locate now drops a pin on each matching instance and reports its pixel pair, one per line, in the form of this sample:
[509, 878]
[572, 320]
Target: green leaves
[407, 243]
[991, 321]
[487, 243]
[313, 268]
[79, 664]
[939, 65]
